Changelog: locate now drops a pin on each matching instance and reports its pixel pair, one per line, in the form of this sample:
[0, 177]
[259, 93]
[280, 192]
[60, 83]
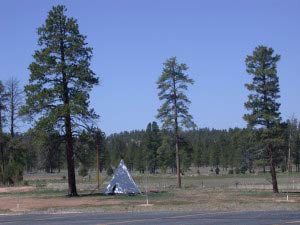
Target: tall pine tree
[174, 112]
[262, 103]
[60, 81]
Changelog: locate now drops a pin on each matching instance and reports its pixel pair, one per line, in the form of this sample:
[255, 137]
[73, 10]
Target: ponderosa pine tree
[60, 81]
[165, 154]
[262, 103]
[174, 112]
[152, 143]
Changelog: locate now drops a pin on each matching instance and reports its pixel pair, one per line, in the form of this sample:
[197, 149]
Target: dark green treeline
[235, 150]
[151, 150]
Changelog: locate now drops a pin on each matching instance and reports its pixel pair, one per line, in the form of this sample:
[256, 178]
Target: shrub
[217, 170]
[243, 169]
[110, 171]
[237, 170]
[13, 173]
[230, 171]
[283, 168]
[83, 171]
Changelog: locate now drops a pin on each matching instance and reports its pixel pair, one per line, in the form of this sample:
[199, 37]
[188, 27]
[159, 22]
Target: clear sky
[132, 38]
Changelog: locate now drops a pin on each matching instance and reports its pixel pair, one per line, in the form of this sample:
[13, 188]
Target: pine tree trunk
[69, 144]
[178, 164]
[274, 179]
[176, 136]
[273, 171]
[68, 128]
[70, 158]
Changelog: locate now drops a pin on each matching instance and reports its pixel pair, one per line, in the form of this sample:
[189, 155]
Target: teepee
[122, 182]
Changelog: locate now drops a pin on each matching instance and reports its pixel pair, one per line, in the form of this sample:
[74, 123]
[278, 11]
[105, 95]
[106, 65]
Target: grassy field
[47, 193]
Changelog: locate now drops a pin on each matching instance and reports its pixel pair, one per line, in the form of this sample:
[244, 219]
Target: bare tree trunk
[15, 102]
[12, 112]
[289, 167]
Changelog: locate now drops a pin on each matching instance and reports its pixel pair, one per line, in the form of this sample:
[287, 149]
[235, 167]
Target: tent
[122, 182]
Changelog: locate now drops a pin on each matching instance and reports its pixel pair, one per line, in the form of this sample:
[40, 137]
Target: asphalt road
[157, 218]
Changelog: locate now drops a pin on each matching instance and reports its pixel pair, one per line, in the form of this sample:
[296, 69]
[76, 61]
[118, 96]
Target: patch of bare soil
[16, 189]
[8, 203]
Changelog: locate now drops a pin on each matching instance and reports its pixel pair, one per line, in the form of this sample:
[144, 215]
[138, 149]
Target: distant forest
[236, 150]
[151, 150]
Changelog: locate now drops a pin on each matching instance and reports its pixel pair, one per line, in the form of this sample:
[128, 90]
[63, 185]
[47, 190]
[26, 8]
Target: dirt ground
[16, 189]
[47, 193]
[176, 199]
[15, 204]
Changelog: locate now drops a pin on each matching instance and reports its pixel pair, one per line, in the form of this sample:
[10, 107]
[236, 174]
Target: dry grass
[173, 200]
[226, 193]
[17, 189]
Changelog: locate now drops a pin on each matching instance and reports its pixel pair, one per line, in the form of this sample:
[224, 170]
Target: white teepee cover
[122, 182]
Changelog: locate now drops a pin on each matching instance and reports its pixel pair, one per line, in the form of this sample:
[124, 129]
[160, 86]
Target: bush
[217, 170]
[283, 168]
[237, 170]
[110, 171]
[230, 171]
[83, 171]
[243, 169]
[13, 173]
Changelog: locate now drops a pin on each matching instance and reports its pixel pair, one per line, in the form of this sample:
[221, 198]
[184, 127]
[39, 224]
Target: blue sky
[132, 38]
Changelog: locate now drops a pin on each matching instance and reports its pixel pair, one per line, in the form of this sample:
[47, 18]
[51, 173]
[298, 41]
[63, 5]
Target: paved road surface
[157, 218]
